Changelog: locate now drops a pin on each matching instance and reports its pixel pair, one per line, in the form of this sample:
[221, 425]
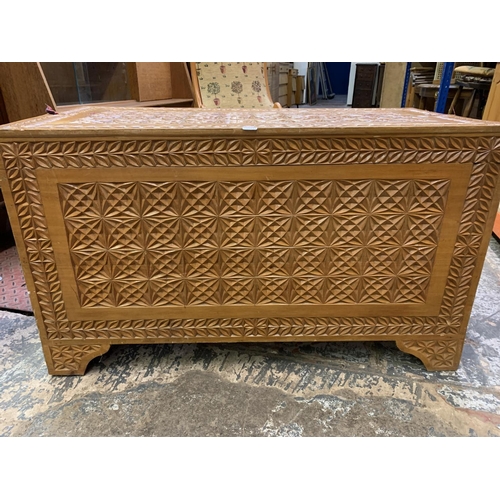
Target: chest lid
[101, 121]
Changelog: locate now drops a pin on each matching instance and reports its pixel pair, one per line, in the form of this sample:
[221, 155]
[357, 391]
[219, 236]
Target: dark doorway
[339, 76]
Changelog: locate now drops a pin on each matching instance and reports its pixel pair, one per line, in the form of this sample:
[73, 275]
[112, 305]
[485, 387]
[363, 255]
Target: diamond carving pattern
[74, 358]
[441, 353]
[132, 240]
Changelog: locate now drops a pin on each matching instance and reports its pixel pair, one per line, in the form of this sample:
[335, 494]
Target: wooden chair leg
[470, 102]
[456, 97]
[421, 103]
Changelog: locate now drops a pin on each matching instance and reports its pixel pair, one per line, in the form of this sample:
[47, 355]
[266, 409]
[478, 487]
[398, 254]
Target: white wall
[302, 67]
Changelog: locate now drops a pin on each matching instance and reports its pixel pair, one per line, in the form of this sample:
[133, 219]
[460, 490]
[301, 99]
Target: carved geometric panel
[253, 242]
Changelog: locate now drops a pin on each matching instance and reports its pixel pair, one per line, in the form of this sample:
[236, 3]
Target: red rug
[13, 292]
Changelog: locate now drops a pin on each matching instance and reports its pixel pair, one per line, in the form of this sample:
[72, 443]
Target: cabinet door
[364, 85]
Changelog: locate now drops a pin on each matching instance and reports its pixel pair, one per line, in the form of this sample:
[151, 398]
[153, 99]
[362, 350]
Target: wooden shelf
[165, 103]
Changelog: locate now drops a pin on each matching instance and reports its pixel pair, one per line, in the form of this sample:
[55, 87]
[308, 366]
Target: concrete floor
[339, 101]
[296, 389]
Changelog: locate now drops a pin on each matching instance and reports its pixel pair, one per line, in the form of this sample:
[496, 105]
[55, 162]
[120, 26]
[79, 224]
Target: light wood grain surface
[157, 226]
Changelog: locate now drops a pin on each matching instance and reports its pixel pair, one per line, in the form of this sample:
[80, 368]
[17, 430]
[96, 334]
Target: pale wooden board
[25, 90]
[150, 81]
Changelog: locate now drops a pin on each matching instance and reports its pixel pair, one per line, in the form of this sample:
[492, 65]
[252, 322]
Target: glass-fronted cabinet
[87, 82]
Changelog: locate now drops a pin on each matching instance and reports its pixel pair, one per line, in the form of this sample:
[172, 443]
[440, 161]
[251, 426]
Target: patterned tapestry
[233, 85]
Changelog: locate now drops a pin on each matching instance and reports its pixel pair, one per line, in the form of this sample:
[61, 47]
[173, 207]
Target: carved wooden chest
[192, 225]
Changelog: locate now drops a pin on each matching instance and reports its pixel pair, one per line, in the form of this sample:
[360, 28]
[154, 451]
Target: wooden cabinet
[273, 77]
[144, 225]
[277, 75]
[24, 92]
[27, 88]
[364, 85]
[284, 69]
